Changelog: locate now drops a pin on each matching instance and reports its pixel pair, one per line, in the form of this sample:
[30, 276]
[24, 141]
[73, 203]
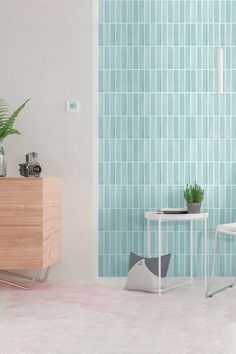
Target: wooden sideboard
[29, 222]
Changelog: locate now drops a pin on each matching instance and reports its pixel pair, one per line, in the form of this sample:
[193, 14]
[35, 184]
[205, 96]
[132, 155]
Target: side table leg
[148, 241]
[205, 255]
[191, 251]
[159, 257]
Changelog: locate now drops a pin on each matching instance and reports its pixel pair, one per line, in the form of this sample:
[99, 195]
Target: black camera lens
[35, 169]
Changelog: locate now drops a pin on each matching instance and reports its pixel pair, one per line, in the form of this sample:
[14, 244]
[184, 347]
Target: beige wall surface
[47, 54]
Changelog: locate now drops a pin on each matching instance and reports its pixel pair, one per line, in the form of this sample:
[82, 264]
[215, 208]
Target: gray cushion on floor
[143, 272]
[151, 263]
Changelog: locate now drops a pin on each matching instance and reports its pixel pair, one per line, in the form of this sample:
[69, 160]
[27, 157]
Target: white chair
[225, 229]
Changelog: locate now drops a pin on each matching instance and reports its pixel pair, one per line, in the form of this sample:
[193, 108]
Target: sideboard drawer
[21, 247]
[20, 214]
[30, 217]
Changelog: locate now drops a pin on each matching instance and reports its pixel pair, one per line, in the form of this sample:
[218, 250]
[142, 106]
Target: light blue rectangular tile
[161, 123]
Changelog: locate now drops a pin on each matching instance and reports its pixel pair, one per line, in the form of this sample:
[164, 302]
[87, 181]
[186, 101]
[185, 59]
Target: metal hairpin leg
[32, 278]
[209, 283]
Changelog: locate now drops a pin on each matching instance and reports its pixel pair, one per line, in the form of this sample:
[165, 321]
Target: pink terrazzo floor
[103, 318]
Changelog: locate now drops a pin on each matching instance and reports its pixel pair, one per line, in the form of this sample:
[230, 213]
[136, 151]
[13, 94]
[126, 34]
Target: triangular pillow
[143, 272]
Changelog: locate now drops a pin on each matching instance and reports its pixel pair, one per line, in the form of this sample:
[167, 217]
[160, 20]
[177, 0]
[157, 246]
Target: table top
[153, 215]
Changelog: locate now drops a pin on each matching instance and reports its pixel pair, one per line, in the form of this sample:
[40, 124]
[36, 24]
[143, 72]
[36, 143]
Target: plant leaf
[4, 113]
[14, 131]
[7, 121]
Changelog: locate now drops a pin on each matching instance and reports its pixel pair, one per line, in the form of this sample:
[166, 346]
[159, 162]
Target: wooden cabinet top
[28, 182]
[35, 179]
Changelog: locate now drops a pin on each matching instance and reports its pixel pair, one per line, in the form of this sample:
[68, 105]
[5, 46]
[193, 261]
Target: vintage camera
[31, 168]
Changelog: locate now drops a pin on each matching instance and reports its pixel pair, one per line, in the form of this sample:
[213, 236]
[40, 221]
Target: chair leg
[209, 283]
[235, 261]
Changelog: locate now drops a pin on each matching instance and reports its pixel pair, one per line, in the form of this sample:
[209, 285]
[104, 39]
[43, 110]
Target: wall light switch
[72, 106]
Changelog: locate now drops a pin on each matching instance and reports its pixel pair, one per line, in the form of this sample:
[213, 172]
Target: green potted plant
[7, 122]
[193, 195]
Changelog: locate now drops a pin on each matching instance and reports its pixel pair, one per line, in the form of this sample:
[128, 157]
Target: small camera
[31, 168]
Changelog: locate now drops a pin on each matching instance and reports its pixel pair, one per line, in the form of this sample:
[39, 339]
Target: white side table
[153, 216]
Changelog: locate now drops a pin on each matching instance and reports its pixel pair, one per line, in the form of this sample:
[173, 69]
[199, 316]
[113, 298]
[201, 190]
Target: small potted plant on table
[193, 195]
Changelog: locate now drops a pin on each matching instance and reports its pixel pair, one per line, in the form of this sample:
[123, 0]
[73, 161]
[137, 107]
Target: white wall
[46, 53]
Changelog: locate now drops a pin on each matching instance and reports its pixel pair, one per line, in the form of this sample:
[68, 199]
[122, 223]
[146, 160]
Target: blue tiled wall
[161, 125]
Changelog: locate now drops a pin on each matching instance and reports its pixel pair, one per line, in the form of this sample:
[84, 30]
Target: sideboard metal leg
[45, 277]
[33, 278]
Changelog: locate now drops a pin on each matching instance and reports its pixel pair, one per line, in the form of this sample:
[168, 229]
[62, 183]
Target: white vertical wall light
[219, 71]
